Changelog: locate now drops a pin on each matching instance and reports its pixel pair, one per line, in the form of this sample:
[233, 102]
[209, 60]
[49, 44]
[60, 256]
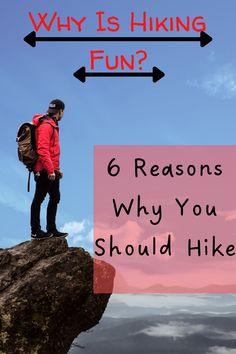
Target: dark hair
[50, 114]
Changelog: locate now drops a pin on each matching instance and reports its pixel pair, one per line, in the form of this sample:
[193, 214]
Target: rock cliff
[46, 296]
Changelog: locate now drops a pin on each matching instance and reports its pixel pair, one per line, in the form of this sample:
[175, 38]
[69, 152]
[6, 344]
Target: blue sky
[193, 104]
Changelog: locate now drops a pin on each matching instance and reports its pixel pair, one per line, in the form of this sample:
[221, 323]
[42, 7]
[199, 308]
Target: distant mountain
[211, 288]
[121, 310]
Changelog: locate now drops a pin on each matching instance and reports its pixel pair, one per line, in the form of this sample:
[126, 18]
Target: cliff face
[46, 296]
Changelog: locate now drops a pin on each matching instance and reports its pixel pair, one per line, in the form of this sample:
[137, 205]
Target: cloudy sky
[193, 104]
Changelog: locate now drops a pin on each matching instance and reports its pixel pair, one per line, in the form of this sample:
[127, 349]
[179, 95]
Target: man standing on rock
[47, 172]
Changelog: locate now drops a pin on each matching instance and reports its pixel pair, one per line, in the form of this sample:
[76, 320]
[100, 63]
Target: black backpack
[27, 152]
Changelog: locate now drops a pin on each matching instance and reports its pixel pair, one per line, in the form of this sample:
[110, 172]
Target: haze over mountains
[202, 324]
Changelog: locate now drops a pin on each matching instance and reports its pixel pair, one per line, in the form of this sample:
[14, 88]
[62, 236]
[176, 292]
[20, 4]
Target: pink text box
[176, 230]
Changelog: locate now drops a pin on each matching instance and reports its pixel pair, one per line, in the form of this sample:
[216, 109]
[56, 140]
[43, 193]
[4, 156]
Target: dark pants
[44, 186]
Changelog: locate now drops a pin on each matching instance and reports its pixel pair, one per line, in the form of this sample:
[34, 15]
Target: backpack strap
[28, 185]
[42, 119]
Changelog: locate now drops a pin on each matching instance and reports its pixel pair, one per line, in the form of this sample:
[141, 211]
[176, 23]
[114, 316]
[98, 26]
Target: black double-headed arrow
[81, 74]
[204, 39]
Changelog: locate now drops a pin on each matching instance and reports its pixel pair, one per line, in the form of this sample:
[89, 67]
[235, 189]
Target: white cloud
[229, 335]
[174, 329]
[221, 350]
[74, 227]
[89, 236]
[221, 83]
[80, 233]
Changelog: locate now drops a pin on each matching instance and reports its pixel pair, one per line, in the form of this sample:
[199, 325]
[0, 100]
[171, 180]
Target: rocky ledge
[46, 296]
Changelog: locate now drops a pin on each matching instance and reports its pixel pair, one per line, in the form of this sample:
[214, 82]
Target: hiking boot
[41, 235]
[57, 233]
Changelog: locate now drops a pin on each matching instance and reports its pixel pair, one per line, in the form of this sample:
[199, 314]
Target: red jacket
[47, 144]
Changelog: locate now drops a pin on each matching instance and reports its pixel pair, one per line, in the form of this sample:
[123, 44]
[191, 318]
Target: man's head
[56, 109]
